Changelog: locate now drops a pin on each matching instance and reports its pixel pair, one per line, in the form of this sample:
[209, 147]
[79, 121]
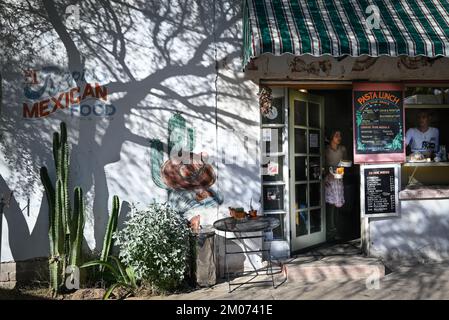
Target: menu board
[380, 186]
[378, 124]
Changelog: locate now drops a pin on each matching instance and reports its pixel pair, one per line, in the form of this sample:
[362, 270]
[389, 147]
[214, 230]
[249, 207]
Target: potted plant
[252, 213]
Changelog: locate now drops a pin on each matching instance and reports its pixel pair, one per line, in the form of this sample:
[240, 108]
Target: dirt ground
[43, 293]
[24, 294]
[30, 293]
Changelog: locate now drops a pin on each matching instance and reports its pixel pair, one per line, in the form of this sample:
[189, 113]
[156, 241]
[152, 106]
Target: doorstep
[336, 268]
[340, 262]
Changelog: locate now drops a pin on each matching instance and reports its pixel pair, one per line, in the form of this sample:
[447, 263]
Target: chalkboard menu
[380, 190]
[378, 124]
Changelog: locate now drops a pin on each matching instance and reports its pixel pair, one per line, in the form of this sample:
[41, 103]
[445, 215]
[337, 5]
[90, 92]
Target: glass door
[306, 146]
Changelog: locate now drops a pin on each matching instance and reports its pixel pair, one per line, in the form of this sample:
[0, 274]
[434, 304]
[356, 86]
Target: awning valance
[343, 27]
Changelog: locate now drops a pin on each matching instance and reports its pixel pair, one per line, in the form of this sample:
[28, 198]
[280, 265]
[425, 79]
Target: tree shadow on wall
[22, 240]
[154, 57]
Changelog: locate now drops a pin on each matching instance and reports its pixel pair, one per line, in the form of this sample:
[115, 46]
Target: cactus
[108, 242]
[77, 227]
[157, 160]
[59, 230]
[179, 136]
[52, 232]
[65, 230]
[176, 133]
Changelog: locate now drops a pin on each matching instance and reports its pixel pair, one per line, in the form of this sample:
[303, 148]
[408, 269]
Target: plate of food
[417, 157]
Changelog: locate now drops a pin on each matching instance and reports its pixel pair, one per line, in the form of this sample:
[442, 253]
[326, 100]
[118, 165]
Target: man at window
[423, 138]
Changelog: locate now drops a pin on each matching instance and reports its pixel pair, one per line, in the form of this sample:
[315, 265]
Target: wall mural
[414, 63]
[187, 176]
[363, 63]
[315, 67]
[50, 89]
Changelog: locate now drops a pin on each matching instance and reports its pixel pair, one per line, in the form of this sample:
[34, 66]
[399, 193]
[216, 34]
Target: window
[273, 183]
[427, 106]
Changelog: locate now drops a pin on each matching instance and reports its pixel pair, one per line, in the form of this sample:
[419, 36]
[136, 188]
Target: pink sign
[378, 119]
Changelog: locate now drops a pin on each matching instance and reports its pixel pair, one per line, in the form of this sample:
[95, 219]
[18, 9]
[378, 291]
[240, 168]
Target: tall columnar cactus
[108, 241]
[53, 229]
[65, 228]
[77, 228]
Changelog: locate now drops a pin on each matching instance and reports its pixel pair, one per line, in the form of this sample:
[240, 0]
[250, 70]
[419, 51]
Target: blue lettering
[102, 109]
[112, 108]
[84, 107]
[74, 108]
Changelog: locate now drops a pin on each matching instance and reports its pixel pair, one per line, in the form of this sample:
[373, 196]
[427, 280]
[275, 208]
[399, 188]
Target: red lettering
[72, 97]
[43, 105]
[88, 92]
[30, 76]
[57, 102]
[33, 113]
[101, 92]
[72, 100]
[67, 95]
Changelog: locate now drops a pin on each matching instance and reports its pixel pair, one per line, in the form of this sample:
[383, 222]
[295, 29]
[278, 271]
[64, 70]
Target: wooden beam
[308, 85]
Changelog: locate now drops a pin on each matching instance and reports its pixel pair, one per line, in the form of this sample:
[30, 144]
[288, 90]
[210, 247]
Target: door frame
[319, 237]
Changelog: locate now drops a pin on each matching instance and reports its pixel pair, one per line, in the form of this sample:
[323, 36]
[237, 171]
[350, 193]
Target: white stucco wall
[181, 56]
[188, 61]
[420, 233]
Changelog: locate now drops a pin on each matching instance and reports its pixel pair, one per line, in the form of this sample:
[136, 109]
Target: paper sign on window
[266, 134]
[273, 168]
[313, 140]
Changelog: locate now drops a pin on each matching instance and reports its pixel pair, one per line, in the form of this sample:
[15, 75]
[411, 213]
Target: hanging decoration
[265, 100]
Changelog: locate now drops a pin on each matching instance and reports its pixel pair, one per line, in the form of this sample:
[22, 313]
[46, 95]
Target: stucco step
[333, 268]
[8, 285]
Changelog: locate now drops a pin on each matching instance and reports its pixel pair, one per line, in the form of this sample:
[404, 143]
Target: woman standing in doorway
[334, 190]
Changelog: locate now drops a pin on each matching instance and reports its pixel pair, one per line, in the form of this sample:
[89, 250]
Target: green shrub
[155, 243]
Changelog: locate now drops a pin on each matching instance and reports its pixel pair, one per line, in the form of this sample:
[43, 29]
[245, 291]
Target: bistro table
[247, 225]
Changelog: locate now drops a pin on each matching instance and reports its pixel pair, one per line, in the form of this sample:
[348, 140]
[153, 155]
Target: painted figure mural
[187, 176]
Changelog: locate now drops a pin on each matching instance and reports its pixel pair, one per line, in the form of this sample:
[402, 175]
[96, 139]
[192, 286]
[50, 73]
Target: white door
[306, 146]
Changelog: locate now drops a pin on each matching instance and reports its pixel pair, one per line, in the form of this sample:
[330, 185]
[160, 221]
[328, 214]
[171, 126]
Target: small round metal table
[247, 225]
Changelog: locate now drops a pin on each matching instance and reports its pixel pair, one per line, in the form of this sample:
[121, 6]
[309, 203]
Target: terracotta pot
[237, 214]
[252, 213]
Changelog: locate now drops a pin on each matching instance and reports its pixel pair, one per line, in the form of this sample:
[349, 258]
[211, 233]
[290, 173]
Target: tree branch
[74, 56]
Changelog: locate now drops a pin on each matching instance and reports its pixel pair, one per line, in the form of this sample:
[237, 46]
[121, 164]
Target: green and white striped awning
[338, 28]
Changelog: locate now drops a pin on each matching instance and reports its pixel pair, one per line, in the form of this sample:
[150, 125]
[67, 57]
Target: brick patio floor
[425, 281]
